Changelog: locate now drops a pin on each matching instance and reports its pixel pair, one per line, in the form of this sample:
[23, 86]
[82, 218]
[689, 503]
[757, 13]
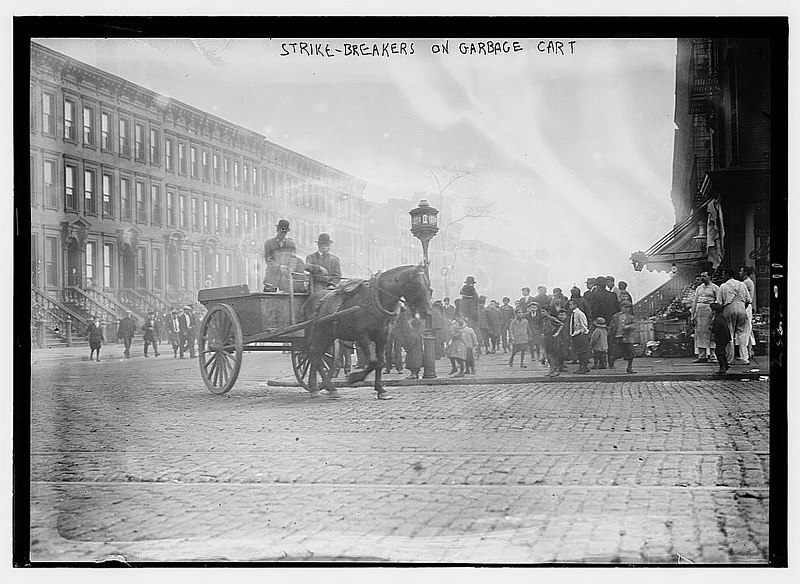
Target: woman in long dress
[705, 294]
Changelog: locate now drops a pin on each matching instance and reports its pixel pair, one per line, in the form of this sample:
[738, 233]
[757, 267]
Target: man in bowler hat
[330, 272]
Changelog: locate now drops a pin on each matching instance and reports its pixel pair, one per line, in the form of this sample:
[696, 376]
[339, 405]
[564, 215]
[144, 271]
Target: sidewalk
[494, 369]
[491, 369]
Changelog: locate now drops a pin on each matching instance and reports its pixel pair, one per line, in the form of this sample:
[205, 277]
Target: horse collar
[376, 303]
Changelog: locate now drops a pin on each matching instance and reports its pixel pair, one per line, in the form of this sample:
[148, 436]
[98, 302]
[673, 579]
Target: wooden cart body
[239, 320]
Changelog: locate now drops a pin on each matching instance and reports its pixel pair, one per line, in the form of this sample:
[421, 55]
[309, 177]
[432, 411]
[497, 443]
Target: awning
[684, 244]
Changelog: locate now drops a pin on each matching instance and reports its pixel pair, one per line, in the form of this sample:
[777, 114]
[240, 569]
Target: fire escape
[704, 99]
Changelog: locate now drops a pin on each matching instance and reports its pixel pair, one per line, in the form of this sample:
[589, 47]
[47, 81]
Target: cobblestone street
[135, 458]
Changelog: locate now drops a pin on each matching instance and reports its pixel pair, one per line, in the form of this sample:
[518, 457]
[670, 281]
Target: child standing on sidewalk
[520, 333]
[722, 336]
[599, 343]
[473, 348]
[551, 329]
[626, 335]
[457, 349]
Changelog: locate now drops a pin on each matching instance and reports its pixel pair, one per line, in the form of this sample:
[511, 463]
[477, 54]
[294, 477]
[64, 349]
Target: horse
[378, 300]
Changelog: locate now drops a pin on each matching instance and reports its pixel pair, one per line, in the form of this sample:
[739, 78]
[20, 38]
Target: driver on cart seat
[280, 255]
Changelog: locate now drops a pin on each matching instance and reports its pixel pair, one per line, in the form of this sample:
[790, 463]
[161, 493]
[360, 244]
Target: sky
[572, 151]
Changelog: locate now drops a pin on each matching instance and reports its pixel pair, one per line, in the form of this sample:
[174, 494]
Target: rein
[373, 283]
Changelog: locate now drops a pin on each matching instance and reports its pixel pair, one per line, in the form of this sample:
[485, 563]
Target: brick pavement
[135, 458]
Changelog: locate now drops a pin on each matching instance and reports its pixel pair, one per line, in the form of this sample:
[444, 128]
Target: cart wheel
[220, 348]
[301, 363]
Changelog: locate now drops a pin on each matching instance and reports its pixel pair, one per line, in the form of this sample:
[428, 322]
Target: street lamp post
[424, 225]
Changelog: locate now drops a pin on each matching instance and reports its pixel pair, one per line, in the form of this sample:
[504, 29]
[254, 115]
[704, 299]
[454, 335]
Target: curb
[290, 382]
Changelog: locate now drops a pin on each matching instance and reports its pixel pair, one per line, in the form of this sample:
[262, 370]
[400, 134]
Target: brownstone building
[138, 200]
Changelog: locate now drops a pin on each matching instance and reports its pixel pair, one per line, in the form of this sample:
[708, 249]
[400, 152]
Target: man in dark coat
[280, 255]
[187, 332]
[125, 331]
[150, 333]
[94, 332]
[323, 258]
[468, 307]
[603, 301]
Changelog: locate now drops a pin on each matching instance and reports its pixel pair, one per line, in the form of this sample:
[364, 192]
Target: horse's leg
[365, 345]
[380, 345]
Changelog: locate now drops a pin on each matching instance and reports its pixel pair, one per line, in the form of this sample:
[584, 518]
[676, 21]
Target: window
[89, 192]
[51, 261]
[155, 154]
[157, 270]
[155, 194]
[228, 263]
[193, 161]
[227, 218]
[246, 171]
[34, 184]
[108, 201]
[227, 169]
[216, 168]
[105, 131]
[91, 259]
[108, 266]
[216, 217]
[236, 223]
[255, 221]
[206, 169]
[141, 275]
[169, 155]
[195, 217]
[182, 158]
[50, 189]
[185, 270]
[138, 137]
[255, 181]
[124, 137]
[88, 126]
[182, 210]
[198, 278]
[125, 197]
[246, 220]
[236, 174]
[70, 177]
[141, 202]
[69, 119]
[170, 208]
[48, 111]
[205, 215]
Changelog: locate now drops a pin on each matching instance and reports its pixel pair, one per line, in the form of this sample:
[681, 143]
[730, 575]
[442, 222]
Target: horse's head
[415, 288]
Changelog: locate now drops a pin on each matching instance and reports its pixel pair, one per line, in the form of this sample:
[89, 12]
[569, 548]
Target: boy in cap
[599, 343]
[174, 330]
[150, 333]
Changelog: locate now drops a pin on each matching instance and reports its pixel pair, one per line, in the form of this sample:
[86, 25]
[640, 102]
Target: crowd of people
[597, 325]
[177, 327]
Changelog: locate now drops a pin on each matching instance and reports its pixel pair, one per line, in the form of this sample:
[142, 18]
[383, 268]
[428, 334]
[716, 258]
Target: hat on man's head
[174, 311]
[469, 280]
[600, 321]
[324, 239]
[187, 307]
[283, 225]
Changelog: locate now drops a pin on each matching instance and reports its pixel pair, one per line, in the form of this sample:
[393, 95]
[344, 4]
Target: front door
[128, 268]
[74, 264]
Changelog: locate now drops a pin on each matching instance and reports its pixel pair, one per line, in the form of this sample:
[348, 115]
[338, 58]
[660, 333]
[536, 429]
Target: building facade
[130, 190]
[721, 164]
